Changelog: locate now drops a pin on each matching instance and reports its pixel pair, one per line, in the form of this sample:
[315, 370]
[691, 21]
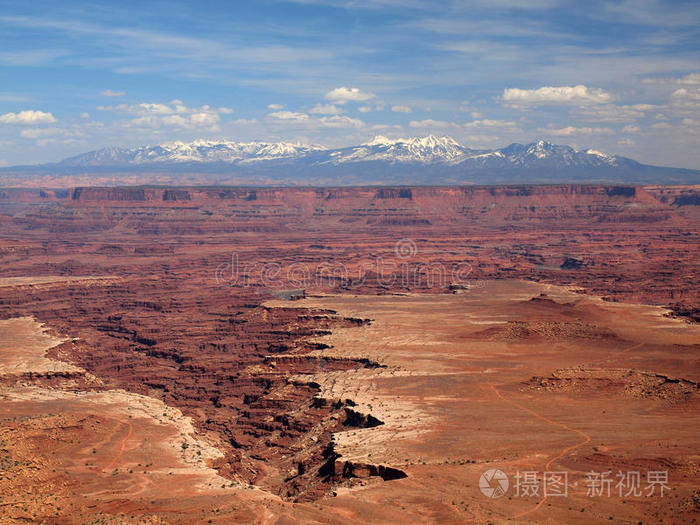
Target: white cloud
[341, 121]
[85, 115]
[342, 95]
[144, 109]
[430, 123]
[326, 109]
[203, 119]
[631, 129]
[45, 133]
[549, 95]
[571, 130]
[288, 115]
[400, 109]
[365, 109]
[110, 93]
[484, 124]
[488, 123]
[615, 113]
[245, 121]
[27, 117]
[626, 142]
[174, 114]
[36, 133]
[192, 120]
[686, 95]
[275, 107]
[689, 79]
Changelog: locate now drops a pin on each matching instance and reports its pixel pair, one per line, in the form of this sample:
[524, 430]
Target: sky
[621, 77]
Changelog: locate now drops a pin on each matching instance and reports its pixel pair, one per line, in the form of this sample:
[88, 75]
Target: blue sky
[622, 77]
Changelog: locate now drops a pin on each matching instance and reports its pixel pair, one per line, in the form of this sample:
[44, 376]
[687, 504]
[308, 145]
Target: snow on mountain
[382, 160]
[419, 151]
[199, 151]
[428, 149]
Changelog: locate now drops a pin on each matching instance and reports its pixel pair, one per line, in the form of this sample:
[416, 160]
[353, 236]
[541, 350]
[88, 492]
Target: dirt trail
[564, 452]
[122, 447]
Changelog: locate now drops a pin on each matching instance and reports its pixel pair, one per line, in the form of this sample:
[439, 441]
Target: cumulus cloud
[27, 117]
[275, 107]
[192, 120]
[110, 93]
[174, 114]
[326, 109]
[342, 95]
[288, 115]
[341, 121]
[365, 109]
[631, 129]
[686, 95]
[400, 109]
[550, 95]
[571, 130]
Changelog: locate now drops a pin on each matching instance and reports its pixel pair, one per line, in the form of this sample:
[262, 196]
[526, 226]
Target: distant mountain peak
[430, 159]
[430, 141]
[429, 150]
[380, 140]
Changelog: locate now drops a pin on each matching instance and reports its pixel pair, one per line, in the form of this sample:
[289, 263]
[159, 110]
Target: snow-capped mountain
[424, 150]
[423, 160]
[201, 151]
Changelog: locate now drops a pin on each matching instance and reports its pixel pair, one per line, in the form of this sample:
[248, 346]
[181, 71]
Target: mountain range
[426, 160]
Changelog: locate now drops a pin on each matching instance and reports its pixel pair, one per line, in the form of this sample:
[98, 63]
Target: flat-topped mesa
[292, 196]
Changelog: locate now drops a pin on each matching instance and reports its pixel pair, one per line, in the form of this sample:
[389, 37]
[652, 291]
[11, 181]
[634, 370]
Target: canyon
[358, 354]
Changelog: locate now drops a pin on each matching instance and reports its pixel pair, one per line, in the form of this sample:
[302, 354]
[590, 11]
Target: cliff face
[293, 195]
[424, 205]
[561, 193]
